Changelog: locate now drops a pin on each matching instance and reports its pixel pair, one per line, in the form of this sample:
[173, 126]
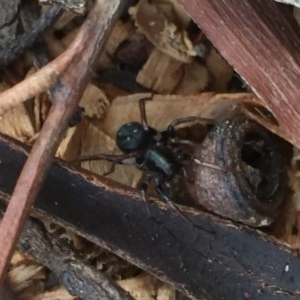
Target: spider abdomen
[161, 161]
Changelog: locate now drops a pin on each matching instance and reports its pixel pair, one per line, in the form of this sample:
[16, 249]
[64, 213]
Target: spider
[158, 153]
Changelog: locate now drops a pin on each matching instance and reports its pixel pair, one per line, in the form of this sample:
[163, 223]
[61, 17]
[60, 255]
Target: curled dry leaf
[164, 23]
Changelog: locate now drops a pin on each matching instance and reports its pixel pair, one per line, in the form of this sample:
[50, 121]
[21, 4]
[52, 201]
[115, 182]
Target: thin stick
[72, 78]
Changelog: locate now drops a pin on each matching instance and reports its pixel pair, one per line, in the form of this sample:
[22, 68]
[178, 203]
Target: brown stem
[72, 78]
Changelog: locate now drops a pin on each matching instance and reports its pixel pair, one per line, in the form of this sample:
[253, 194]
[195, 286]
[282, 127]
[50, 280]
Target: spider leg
[143, 189]
[114, 159]
[143, 111]
[118, 158]
[179, 141]
[171, 128]
[165, 197]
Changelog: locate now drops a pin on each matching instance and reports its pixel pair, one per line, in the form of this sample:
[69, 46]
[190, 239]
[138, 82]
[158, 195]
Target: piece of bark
[261, 40]
[213, 259]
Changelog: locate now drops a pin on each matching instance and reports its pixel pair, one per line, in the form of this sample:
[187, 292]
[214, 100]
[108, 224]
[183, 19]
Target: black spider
[158, 153]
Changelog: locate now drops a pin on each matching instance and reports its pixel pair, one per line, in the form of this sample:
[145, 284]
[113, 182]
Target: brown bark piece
[261, 40]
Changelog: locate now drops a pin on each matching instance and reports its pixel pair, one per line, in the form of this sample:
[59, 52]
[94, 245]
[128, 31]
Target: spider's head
[133, 137]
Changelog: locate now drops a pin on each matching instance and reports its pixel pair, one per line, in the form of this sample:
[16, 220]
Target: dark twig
[75, 66]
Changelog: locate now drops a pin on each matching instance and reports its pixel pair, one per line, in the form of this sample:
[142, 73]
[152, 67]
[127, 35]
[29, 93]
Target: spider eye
[132, 137]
